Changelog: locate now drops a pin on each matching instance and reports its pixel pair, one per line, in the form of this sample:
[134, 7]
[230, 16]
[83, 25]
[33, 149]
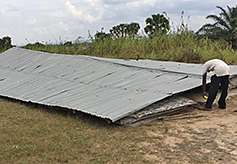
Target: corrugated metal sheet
[107, 88]
[166, 66]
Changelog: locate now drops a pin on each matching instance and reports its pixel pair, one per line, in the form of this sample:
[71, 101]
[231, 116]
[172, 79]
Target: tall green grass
[180, 46]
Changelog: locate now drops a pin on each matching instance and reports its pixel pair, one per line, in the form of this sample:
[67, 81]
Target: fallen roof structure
[112, 89]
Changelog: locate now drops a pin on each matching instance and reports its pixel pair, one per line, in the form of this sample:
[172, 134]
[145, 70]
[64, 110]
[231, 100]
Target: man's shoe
[222, 107]
[209, 107]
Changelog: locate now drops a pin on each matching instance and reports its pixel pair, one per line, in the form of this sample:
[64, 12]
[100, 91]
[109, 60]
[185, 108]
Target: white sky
[53, 21]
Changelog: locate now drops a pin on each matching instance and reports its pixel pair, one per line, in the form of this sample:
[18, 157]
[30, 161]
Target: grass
[179, 46]
[31, 133]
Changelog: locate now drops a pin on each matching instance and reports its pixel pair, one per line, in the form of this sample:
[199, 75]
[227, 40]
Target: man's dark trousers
[222, 81]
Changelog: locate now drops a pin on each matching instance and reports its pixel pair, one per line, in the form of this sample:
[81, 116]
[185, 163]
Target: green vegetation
[224, 26]
[5, 43]
[181, 46]
[157, 24]
[125, 30]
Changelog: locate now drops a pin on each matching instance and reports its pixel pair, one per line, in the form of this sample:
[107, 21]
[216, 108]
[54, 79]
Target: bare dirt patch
[196, 137]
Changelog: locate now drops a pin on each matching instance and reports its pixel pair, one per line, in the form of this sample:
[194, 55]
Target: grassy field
[39, 134]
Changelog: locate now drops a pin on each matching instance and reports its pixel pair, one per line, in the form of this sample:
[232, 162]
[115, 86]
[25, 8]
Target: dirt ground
[198, 136]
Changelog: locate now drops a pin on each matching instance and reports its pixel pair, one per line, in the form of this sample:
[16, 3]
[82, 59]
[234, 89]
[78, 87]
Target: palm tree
[101, 36]
[125, 30]
[224, 26]
[157, 23]
[132, 29]
[114, 31]
[119, 30]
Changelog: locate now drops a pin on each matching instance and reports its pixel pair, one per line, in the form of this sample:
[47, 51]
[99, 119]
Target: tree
[118, 31]
[125, 30]
[5, 43]
[101, 36]
[157, 23]
[224, 26]
[132, 29]
[68, 44]
[35, 45]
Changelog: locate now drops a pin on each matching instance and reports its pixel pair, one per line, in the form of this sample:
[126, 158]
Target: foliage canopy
[224, 26]
[5, 43]
[156, 24]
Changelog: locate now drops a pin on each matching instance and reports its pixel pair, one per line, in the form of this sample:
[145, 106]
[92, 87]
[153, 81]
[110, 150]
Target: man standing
[220, 77]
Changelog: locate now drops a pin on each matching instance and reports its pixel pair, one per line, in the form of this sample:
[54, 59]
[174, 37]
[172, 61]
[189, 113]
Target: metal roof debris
[108, 88]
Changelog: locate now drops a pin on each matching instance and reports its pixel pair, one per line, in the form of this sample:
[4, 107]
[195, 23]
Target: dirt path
[195, 137]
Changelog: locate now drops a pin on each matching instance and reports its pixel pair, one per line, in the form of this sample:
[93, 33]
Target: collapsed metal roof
[108, 88]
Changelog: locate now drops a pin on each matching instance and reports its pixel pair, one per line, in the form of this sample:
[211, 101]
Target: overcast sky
[29, 21]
